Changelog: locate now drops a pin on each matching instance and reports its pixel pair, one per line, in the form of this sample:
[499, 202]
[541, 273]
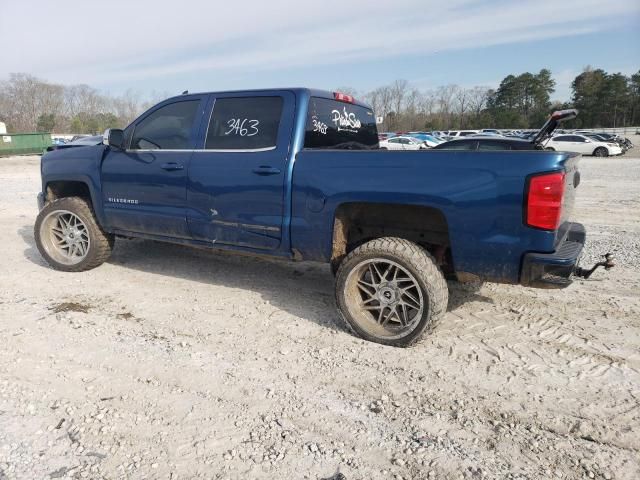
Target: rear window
[333, 124]
[244, 123]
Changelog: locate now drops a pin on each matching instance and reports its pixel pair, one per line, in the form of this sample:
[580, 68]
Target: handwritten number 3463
[243, 127]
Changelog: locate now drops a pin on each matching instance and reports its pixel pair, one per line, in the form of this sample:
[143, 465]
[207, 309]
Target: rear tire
[601, 152]
[69, 237]
[550, 149]
[390, 291]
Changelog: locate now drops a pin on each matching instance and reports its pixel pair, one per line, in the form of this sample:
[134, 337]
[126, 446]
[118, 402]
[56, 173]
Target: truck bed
[480, 194]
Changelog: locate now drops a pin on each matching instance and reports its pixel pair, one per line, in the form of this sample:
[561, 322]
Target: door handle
[171, 166]
[266, 170]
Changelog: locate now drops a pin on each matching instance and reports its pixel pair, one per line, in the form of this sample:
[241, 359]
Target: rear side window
[244, 123]
[333, 124]
[168, 127]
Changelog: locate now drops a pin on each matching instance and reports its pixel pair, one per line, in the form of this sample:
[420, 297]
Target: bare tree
[380, 100]
[478, 97]
[398, 90]
[127, 106]
[462, 96]
[427, 103]
[445, 96]
[413, 119]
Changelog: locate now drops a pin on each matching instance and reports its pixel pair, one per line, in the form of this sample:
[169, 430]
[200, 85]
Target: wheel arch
[355, 223]
[61, 188]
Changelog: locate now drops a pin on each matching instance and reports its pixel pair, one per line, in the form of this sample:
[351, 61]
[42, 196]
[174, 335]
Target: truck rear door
[236, 181]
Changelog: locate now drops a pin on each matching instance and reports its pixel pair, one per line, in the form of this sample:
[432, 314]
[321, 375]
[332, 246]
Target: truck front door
[145, 186]
[236, 183]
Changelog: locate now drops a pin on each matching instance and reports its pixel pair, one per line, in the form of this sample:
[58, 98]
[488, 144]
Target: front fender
[81, 164]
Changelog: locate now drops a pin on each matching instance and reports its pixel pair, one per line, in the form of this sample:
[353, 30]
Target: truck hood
[71, 145]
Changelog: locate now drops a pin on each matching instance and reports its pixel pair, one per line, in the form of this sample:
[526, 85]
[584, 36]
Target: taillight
[544, 201]
[343, 97]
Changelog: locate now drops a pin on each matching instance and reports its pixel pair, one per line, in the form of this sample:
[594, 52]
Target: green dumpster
[24, 143]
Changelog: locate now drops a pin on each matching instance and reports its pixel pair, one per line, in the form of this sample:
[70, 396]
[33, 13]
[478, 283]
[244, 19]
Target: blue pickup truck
[297, 174]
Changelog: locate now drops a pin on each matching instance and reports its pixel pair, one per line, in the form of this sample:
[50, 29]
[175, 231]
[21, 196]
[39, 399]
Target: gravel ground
[174, 363]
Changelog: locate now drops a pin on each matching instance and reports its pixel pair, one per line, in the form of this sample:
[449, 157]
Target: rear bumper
[554, 270]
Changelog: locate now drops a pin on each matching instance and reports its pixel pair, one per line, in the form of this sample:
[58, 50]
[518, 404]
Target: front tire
[601, 152]
[69, 237]
[390, 291]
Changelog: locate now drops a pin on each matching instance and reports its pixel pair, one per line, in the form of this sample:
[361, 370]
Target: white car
[463, 133]
[583, 145]
[402, 143]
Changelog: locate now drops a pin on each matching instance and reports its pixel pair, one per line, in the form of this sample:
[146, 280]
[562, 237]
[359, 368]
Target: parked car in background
[76, 137]
[485, 134]
[584, 145]
[466, 133]
[88, 140]
[402, 143]
[624, 143]
[489, 141]
[462, 133]
[80, 141]
[429, 140]
[486, 143]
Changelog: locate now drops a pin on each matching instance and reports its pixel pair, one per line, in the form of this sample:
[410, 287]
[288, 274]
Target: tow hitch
[586, 272]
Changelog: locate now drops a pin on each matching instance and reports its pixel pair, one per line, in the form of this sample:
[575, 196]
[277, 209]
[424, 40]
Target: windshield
[334, 124]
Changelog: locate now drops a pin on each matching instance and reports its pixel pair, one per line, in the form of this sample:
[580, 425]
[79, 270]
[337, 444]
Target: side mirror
[113, 137]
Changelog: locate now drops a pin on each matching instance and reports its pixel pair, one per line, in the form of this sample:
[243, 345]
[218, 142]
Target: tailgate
[571, 183]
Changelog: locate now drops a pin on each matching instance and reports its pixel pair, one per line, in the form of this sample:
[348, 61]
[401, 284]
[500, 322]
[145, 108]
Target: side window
[169, 127]
[494, 146]
[394, 140]
[244, 123]
[562, 139]
[577, 138]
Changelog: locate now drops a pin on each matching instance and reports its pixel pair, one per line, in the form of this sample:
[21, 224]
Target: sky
[199, 45]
